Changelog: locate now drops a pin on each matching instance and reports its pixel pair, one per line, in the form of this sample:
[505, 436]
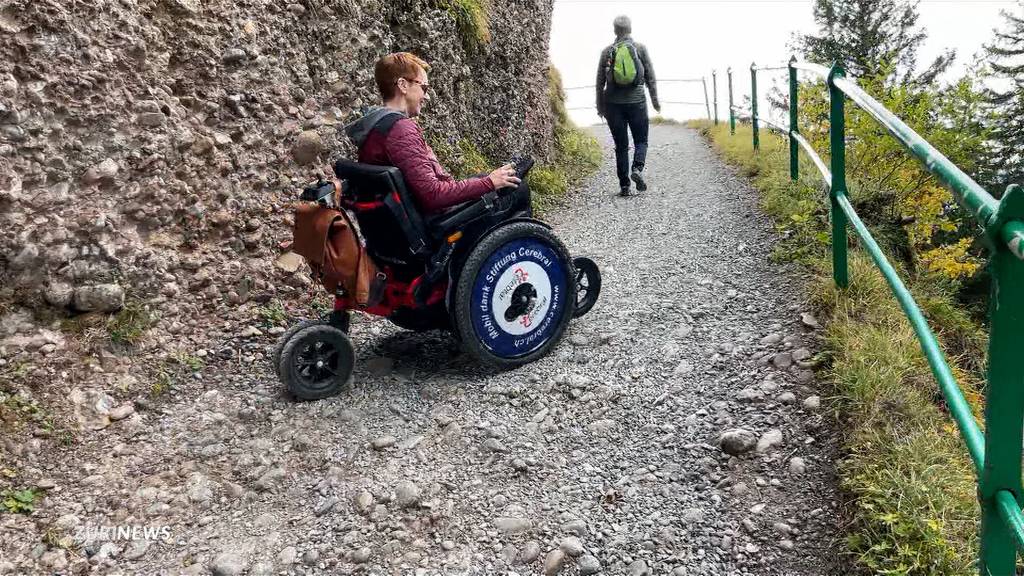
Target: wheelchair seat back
[394, 230]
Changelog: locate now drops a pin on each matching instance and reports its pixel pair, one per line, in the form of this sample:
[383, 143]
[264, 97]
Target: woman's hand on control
[504, 177]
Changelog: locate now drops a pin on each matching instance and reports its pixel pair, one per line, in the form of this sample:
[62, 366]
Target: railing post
[1004, 393]
[753, 104]
[837, 149]
[707, 106]
[794, 149]
[732, 114]
[714, 93]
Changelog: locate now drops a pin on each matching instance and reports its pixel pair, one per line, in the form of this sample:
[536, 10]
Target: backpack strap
[417, 244]
[385, 124]
[638, 63]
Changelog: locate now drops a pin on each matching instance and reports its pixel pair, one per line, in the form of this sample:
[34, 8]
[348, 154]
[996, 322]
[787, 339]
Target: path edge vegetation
[906, 479]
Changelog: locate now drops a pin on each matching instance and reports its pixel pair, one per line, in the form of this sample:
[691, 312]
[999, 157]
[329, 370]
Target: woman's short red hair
[390, 68]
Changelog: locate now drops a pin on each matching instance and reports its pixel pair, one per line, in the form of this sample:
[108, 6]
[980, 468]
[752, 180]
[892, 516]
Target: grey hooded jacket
[358, 131]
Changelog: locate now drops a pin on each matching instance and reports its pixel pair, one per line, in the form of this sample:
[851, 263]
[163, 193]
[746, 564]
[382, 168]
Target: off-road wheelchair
[485, 270]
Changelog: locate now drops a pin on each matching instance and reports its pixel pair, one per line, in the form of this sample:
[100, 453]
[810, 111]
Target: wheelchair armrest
[443, 224]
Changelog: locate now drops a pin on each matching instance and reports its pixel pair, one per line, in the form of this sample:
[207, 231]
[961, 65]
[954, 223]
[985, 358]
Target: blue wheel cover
[520, 269]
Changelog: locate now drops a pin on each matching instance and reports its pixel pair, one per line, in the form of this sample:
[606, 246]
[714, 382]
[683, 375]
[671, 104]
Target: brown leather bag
[327, 240]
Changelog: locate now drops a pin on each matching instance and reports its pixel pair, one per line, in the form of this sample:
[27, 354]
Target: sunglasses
[423, 85]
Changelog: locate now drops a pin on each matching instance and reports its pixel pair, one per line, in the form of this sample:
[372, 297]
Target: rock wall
[149, 149]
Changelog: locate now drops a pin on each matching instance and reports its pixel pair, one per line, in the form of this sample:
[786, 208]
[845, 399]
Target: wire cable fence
[702, 80]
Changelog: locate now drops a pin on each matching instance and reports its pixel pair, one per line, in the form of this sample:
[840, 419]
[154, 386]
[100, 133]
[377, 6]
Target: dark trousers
[634, 117]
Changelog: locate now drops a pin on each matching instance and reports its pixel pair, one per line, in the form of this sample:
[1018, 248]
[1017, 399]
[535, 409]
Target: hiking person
[623, 70]
[387, 135]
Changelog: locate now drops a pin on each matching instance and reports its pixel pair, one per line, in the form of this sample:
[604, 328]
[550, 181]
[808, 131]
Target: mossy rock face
[462, 159]
[577, 153]
[473, 20]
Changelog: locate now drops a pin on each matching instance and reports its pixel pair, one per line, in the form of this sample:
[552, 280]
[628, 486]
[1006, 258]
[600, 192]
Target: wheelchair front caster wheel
[339, 320]
[275, 360]
[316, 362]
[588, 285]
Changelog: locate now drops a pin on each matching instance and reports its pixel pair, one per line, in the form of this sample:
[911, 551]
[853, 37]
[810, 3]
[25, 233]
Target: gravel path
[604, 457]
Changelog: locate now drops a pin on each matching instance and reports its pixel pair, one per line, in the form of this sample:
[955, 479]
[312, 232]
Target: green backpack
[626, 68]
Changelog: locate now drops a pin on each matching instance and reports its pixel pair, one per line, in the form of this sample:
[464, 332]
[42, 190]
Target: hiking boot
[624, 191]
[638, 178]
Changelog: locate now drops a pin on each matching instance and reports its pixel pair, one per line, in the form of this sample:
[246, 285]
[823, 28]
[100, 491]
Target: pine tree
[871, 38]
[1006, 59]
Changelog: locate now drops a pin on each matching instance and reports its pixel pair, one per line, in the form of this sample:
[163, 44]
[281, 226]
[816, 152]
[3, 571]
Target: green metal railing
[996, 451]
[704, 82]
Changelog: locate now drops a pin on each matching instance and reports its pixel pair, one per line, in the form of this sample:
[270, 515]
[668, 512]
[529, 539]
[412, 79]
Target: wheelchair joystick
[323, 193]
[522, 165]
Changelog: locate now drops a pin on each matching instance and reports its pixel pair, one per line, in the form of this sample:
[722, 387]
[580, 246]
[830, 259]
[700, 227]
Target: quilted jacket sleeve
[431, 186]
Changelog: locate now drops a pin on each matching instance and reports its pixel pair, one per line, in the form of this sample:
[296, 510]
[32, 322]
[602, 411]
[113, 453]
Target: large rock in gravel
[589, 565]
[55, 559]
[509, 525]
[228, 564]
[749, 395]
[577, 527]
[287, 556]
[99, 298]
[737, 441]
[92, 408]
[362, 555]
[554, 562]
[693, 516]
[59, 294]
[289, 262]
[530, 552]
[812, 403]
[797, 466]
[383, 442]
[769, 440]
[639, 568]
[364, 502]
[407, 494]
[782, 360]
[270, 479]
[809, 320]
[572, 546]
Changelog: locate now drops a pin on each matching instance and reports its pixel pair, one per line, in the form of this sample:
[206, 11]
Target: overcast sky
[689, 38]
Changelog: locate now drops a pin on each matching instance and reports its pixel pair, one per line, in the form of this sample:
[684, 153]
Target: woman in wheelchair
[465, 256]
[388, 136]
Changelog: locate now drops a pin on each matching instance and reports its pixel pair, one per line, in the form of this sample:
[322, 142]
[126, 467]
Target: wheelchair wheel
[588, 285]
[340, 321]
[515, 295]
[275, 359]
[316, 362]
